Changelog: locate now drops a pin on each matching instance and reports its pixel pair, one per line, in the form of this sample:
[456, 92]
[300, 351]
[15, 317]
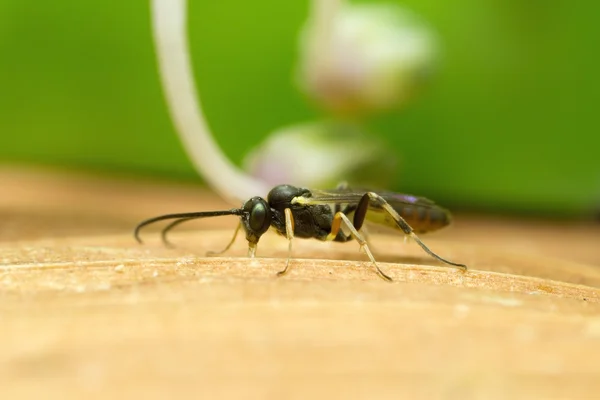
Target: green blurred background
[509, 123]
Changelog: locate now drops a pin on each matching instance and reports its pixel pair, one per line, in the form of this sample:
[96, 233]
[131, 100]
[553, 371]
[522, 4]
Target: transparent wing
[422, 214]
[353, 196]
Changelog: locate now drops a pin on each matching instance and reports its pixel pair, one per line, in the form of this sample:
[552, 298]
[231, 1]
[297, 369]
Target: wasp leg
[289, 233]
[173, 224]
[375, 199]
[235, 233]
[335, 228]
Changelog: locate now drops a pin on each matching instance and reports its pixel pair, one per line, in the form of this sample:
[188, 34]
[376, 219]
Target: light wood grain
[86, 311]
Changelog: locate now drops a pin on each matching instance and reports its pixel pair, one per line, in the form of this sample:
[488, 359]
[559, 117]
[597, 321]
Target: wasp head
[256, 219]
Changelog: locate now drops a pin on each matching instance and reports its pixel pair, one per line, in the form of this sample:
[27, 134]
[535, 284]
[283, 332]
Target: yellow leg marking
[216, 253]
[289, 233]
[335, 228]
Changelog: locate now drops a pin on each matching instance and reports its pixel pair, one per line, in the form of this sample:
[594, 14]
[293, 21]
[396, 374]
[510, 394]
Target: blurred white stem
[323, 13]
[169, 22]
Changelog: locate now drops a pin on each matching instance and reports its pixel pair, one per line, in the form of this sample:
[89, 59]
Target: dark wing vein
[353, 196]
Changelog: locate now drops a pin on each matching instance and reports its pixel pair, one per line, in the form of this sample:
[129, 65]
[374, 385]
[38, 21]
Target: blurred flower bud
[371, 57]
[322, 155]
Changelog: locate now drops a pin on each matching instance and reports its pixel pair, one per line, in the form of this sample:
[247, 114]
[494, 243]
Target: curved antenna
[183, 217]
[168, 228]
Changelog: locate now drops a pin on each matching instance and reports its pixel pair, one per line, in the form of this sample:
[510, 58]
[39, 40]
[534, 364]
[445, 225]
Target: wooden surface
[86, 311]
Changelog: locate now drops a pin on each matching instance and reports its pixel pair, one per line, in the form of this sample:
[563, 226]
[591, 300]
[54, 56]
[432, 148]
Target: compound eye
[260, 217]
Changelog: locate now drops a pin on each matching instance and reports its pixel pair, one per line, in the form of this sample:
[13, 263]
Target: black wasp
[330, 215]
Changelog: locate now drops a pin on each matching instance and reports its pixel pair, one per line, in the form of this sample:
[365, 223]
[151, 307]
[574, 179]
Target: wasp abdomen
[425, 218]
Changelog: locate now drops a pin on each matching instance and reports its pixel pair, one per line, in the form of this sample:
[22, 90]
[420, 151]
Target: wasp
[327, 215]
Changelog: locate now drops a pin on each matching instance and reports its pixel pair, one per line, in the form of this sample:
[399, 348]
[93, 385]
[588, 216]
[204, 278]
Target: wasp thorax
[281, 196]
[256, 218]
